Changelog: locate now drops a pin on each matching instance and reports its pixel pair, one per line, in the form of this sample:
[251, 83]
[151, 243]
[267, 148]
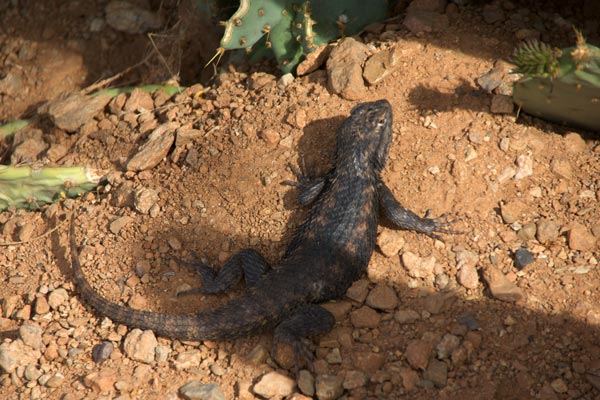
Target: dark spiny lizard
[330, 250]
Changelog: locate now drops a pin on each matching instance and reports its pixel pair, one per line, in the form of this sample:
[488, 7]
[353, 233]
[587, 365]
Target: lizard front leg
[404, 218]
[309, 184]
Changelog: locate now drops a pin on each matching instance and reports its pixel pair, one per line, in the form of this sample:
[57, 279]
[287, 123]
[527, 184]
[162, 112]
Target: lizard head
[368, 131]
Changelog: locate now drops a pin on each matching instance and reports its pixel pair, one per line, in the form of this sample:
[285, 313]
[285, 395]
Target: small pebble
[140, 345]
[102, 351]
[306, 383]
[522, 258]
[196, 390]
[274, 384]
[329, 387]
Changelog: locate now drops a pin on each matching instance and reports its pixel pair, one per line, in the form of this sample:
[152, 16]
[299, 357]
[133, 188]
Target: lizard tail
[204, 326]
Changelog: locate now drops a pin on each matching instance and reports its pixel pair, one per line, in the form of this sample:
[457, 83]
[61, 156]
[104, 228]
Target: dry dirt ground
[412, 328]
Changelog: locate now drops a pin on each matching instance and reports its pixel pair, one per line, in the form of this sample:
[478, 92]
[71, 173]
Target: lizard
[330, 250]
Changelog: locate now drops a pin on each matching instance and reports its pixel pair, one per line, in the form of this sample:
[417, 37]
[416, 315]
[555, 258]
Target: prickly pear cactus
[27, 187]
[560, 85]
[294, 28]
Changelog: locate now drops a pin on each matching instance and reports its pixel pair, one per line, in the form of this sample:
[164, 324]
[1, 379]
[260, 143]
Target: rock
[491, 79]
[102, 352]
[561, 168]
[447, 345]
[41, 305]
[469, 321]
[527, 232]
[145, 199]
[16, 354]
[501, 287]
[581, 239]
[339, 308]
[119, 223]
[559, 386]
[155, 149]
[258, 355]
[547, 231]
[382, 297]
[367, 361]
[101, 381]
[524, 167]
[329, 387]
[196, 390]
[184, 137]
[512, 211]
[418, 267]
[297, 119]
[344, 69]
[57, 297]
[417, 353]
[358, 291]
[380, 65]
[492, 13]
[259, 80]
[390, 242]
[365, 317]
[437, 372]
[574, 143]
[10, 303]
[502, 104]
[31, 334]
[274, 384]
[123, 196]
[439, 302]
[55, 380]
[161, 353]
[271, 136]
[32, 372]
[24, 313]
[28, 151]
[420, 21]
[73, 111]
[406, 316]
[410, 379]
[139, 100]
[140, 345]
[466, 262]
[129, 18]
[187, 359]
[522, 258]
[354, 379]
[285, 80]
[314, 60]
[306, 383]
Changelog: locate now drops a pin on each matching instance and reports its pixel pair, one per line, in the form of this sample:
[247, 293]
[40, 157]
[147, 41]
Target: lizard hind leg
[306, 321]
[247, 263]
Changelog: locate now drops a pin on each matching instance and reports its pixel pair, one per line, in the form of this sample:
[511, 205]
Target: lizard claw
[300, 351]
[439, 225]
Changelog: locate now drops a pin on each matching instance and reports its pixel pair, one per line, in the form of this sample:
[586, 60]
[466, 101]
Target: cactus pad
[560, 85]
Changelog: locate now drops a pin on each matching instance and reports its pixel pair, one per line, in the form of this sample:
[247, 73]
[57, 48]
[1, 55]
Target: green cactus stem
[10, 128]
[560, 85]
[29, 188]
[294, 28]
